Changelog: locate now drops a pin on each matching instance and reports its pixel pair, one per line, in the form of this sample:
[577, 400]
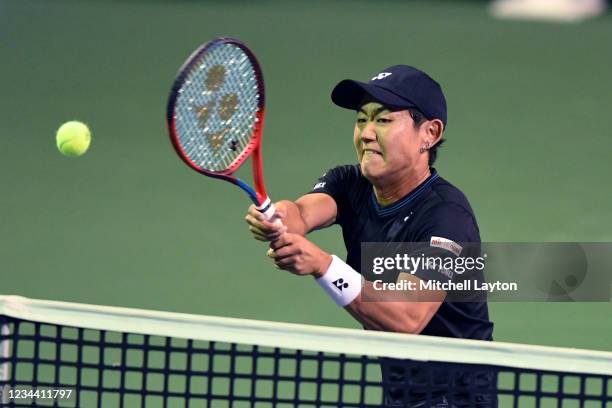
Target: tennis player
[392, 195]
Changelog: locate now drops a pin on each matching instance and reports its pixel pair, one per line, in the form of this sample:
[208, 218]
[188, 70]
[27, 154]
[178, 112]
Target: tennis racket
[215, 115]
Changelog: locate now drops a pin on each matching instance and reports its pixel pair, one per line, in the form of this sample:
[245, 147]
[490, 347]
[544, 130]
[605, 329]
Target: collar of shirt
[409, 198]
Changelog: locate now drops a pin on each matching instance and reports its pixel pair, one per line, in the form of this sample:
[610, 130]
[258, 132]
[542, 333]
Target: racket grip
[268, 210]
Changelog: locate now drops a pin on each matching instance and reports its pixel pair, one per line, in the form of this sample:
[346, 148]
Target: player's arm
[307, 213]
[409, 310]
[397, 311]
[405, 312]
[318, 209]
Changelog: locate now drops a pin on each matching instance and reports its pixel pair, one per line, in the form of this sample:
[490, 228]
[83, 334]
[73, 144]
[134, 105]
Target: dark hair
[418, 117]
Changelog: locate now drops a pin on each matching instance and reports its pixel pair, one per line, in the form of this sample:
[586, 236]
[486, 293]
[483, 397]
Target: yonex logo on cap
[339, 284]
[382, 75]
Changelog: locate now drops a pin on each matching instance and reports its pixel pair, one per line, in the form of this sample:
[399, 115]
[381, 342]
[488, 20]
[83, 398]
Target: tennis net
[74, 355]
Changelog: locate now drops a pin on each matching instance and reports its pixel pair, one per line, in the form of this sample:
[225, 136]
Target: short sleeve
[449, 241]
[336, 183]
[450, 221]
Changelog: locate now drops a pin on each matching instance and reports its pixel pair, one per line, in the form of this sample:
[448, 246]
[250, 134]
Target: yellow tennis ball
[73, 138]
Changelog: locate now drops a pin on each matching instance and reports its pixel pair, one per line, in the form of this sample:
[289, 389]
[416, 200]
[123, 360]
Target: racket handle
[268, 210]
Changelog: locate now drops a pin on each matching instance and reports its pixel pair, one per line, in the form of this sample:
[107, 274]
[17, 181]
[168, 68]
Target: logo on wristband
[339, 284]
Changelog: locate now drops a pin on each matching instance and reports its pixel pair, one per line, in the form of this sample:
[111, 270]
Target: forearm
[403, 316]
[406, 311]
[308, 213]
[293, 219]
[396, 311]
[378, 316]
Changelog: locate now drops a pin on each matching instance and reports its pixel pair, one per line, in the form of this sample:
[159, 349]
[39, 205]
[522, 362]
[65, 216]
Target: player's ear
[433, 131]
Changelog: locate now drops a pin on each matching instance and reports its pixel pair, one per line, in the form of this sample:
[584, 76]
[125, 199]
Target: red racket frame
[253, 149]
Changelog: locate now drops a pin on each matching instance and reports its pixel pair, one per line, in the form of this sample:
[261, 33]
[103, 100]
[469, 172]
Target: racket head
[216, 108]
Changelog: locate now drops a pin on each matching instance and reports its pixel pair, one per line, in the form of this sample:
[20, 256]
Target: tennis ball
[73, 138]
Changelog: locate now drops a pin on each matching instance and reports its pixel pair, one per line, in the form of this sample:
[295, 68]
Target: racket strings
[216, 109]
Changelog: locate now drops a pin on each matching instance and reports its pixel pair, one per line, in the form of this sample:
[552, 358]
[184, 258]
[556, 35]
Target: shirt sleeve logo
[319, 185]
[444, 243]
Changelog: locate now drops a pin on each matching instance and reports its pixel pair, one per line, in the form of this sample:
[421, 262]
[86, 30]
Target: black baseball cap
[397, 87]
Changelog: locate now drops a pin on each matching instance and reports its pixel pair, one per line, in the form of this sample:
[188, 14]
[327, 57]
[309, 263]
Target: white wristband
[341, 282]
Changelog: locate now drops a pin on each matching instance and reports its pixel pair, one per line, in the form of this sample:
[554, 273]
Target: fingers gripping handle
[268, 210]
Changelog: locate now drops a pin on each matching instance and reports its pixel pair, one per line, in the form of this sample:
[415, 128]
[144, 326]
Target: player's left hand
[296, 254]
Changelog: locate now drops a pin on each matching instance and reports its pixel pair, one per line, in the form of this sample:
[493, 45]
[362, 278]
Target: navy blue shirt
[434, 209]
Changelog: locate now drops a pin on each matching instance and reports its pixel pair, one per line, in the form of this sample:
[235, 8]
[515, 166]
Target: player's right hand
[263, 230]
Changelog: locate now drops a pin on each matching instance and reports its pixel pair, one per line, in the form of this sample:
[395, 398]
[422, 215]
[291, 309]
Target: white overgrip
[268, 210]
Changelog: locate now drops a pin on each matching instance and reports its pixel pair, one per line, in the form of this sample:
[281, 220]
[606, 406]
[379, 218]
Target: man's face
[387, 142]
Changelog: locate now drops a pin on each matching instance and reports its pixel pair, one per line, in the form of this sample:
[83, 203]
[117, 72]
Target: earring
[423, 149]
